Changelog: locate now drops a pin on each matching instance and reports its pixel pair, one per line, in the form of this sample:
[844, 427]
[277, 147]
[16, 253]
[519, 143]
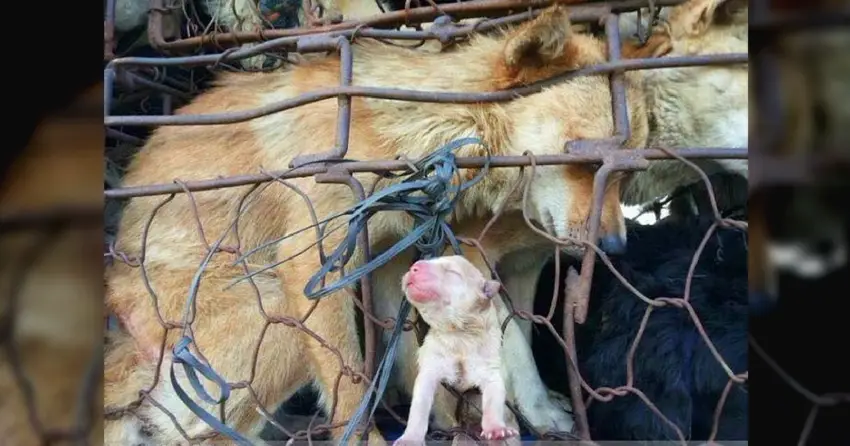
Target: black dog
[673, 366]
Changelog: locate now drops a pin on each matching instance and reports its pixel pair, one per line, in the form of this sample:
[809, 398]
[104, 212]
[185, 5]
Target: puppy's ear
[491, 288]
[694, 17]
[539, 41]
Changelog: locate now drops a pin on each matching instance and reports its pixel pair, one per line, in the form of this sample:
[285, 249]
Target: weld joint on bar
[318, 43]
[346, 74]
[609, 151]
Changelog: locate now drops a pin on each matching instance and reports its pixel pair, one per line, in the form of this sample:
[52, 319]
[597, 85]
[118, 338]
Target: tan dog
[704, 106]
[687, 106]
[228, 323]
[463, 346]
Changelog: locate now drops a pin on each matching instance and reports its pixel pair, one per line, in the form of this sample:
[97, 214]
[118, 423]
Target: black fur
[673, 366]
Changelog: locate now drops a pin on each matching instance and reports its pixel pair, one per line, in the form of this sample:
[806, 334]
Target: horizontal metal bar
[423, 96]
[393, 165]
[460, 10]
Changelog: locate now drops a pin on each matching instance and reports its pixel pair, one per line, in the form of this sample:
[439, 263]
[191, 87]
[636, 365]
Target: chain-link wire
[325, 37]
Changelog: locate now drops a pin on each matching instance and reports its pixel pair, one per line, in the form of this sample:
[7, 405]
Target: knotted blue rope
[429, 211]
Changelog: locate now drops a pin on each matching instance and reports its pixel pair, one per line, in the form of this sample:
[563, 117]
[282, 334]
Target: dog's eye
[593, 167]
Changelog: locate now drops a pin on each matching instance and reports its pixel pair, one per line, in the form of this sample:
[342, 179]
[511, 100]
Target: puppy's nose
[613, 244]
[416, 266]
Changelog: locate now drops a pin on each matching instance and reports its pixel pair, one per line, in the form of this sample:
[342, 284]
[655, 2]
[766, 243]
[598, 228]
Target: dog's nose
[613, 244]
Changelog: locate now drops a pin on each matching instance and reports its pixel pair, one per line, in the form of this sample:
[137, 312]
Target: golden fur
[58, 322]
[228, 323]
[704, 106]
[687, 107]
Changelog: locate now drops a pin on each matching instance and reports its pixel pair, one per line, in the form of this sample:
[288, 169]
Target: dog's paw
[498, 432]
[408, 441]
[553, 413]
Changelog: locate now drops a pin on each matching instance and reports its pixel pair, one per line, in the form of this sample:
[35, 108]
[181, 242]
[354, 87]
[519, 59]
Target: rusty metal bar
[331, 37]
[341, 175]
[343, 118]
[292, 42]
[395, 165]
[569, 332]
[460, 10]
[418, 95]
[108, 86]
[618, 88]
[578, 14]
[577, 292]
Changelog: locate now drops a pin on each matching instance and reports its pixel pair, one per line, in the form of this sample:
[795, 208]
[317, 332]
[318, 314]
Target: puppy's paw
[409, 441]
[552, 413]
[498, 432]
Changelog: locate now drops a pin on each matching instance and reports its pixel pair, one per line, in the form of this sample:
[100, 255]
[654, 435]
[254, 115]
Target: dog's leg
[545, 410]
[331, 343]
[520, 272]
[420, 408]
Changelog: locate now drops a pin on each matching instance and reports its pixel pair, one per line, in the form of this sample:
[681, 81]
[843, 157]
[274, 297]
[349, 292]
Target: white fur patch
[802, 260]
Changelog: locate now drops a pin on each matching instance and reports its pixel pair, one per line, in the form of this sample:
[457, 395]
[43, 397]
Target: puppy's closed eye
[453, 271]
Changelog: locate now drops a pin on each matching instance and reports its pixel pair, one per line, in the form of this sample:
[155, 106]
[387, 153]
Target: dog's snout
[613, 244]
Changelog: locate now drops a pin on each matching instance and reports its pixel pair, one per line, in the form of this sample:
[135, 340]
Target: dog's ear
[694, 17]
[656, 46]
[539, 41]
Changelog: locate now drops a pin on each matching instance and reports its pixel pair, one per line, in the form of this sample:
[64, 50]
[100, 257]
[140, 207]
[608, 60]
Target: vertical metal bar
[571, 282]
[108, 85]
[167, 106]
[339, 175]
[618, 88]
[343, 122]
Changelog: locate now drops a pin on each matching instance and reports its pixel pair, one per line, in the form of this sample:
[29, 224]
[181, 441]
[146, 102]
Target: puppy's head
[448, 288]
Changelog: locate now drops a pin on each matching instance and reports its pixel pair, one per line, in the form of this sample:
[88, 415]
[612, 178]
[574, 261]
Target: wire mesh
[606, 153]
